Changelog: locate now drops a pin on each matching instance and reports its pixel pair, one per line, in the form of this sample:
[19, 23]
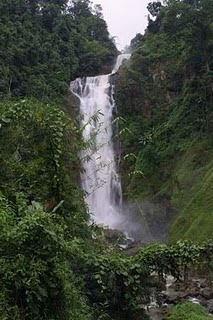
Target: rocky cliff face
[164, 96]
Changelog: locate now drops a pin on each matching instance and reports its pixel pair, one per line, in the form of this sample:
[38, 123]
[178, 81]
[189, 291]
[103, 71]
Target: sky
[125, 18]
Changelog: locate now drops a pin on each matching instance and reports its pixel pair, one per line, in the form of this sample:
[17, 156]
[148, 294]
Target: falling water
[100, 179]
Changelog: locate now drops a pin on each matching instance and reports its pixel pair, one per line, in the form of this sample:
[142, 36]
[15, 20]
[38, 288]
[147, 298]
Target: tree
[137, 41]
[154, 8]
[98, 10]
[43, 45]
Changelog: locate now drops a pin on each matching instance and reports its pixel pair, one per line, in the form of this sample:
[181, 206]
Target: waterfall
[100, 179]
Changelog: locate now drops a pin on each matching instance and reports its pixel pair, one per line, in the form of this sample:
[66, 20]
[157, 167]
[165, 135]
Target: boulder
[193, 292]
[172, 298]
[114, 236]
[210, 306]
[203, 283]
[207, 293]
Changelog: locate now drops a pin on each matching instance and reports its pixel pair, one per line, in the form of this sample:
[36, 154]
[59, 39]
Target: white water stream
[100, 179]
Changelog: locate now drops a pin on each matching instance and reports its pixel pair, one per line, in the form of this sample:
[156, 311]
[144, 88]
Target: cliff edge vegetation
[164, 96]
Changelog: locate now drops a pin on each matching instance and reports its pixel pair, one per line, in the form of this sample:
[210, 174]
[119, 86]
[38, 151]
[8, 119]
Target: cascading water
[100, 179]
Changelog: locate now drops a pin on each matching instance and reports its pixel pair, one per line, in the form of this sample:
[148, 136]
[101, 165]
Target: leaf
[58, 206]
[6, 120]
[42, 292]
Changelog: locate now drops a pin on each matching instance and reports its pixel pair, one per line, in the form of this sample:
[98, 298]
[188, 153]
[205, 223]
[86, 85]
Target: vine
[120, 284]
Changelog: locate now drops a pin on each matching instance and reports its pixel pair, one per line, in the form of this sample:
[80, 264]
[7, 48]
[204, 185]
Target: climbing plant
[39, 155]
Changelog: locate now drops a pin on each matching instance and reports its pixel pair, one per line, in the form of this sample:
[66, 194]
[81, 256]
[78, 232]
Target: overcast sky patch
[125, 18]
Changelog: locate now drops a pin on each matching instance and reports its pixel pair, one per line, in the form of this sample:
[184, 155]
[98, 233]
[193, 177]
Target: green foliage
[39, 157]
[199, 206]
[52, 264]
[175, 260]
[165, 95]
[43, 217]
[154, 8]
[44, 212]
[42, 265]
[189, 311]
[45, 44]
[36, 281]
[117, 285]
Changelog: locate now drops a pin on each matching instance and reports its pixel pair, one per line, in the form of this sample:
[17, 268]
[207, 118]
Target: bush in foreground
[189, 311]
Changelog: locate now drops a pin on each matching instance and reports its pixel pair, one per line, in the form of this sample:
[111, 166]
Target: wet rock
[193, 292]
[185, 294]
[175, 286]
[156, 314]
[113, 78]
[207, 293]
[210, 306]
[194, 300]
[203, 302]
[159, 285]
[73, 101]
[133, 248]
[173, 298]
[203, 283]
[114, 236]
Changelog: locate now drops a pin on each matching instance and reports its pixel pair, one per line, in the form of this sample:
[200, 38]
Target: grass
[189, 311]
[195, 198]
